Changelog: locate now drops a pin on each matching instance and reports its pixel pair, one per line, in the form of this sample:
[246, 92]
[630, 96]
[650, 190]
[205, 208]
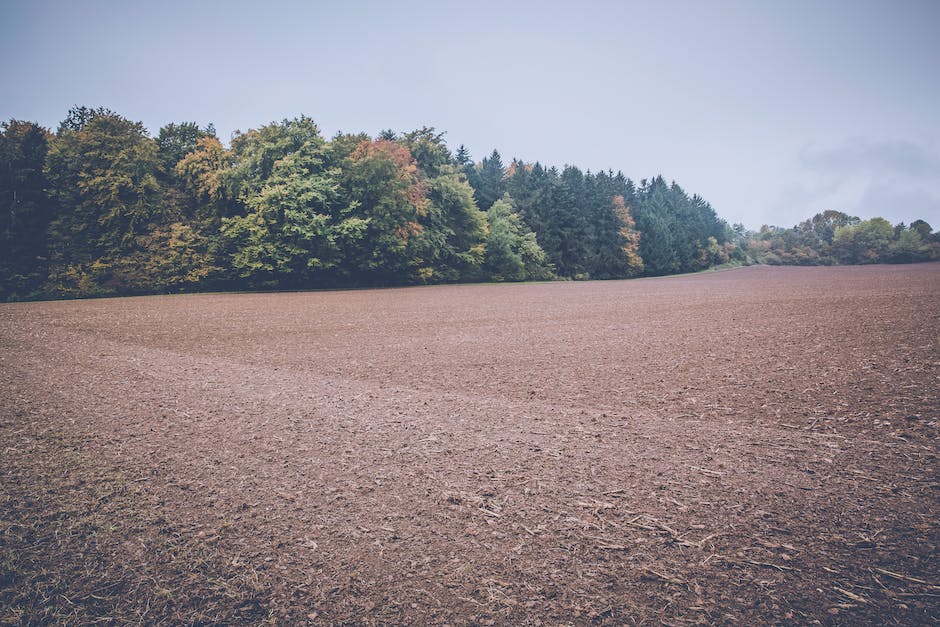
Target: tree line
[101, 207]
[834, 237]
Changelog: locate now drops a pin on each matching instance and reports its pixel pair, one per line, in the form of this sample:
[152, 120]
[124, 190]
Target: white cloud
[896, 179]
[883, 157]
[900, 204]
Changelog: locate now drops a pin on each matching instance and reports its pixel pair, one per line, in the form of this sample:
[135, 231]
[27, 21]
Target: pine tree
[488, 182]
[463, 157]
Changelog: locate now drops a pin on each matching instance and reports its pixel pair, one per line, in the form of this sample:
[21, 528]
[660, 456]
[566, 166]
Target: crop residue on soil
[757, 445]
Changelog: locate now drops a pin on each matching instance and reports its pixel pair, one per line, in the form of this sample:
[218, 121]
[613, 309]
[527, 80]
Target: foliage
[287, 191]
[629, 238]
[452, 242]
[199, 173]
[78, 117]
[25, 208]
[429, 150]
[512, 252]
[583, 221]
[679, 233]
[103, 177]
[865, 242]
[487, 180]
[383, 192]
[100, 207]
[834, 237]
[175, 141]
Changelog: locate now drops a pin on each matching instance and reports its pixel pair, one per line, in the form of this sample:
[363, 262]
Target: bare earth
[751, 446]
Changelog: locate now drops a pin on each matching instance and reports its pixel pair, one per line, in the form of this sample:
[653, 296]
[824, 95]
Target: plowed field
[750, 446]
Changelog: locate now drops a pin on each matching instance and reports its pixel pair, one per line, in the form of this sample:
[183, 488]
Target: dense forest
[100, 207]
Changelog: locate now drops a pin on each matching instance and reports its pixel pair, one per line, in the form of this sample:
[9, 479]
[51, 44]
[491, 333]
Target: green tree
[104, 178]
[386, 199]
[200, 174]
[343, 145]
[908, 246]
[512, 251]
[462, 157]
[675, 229]
[824, 224]
[256, 152]
[865, 242]
[557, 206]
[654, 221]
[79, 117]
[168, 258]
[429, 150]
[452, 242]
[487, 180]
[25, 210]
[175, 141]
[531, 187]
[288, 193]
[923, 229]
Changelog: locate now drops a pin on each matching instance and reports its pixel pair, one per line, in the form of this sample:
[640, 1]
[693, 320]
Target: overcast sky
[772, 111]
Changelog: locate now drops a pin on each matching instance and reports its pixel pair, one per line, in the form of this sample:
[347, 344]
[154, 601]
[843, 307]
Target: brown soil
[758, 445]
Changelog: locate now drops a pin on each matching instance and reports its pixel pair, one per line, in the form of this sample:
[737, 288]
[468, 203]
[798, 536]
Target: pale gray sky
[772, 111]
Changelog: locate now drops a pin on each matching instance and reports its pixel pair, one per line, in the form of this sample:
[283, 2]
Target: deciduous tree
[102, 172]
[25, 209]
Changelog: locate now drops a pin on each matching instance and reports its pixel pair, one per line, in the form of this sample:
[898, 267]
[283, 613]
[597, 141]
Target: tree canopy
[101, 207]
[834, 237]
